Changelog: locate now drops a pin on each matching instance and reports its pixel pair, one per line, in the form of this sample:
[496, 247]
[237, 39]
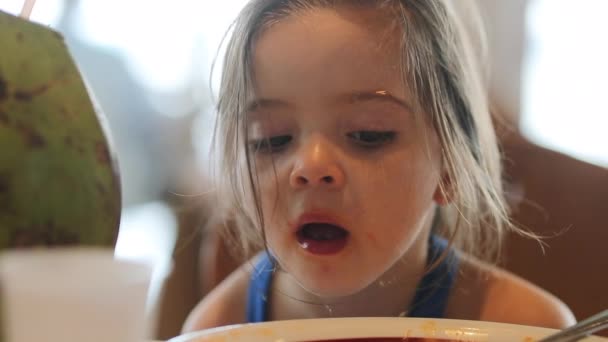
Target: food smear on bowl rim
[390, 339]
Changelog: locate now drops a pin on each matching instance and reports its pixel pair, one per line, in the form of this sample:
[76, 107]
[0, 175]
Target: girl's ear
[444, 193]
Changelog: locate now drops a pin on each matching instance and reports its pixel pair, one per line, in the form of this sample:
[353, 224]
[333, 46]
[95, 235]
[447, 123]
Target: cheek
[398, 191]
[401, 176]
[272, 187]
[260, 184]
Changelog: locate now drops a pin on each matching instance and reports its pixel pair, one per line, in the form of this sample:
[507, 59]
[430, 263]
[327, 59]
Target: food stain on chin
[371, 237]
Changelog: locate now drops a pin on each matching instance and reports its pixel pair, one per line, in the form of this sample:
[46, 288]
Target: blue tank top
[429, 301]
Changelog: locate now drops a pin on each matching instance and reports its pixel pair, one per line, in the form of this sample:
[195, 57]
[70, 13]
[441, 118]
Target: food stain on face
[371, 237]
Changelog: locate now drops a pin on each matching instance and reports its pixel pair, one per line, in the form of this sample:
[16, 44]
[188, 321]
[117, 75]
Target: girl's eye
[271, 144]
[372, 138]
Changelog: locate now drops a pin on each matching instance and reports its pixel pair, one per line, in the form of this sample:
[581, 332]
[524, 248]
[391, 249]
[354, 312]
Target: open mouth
[322, 238]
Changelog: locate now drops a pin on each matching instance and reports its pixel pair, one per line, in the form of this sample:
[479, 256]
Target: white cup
[73, 294]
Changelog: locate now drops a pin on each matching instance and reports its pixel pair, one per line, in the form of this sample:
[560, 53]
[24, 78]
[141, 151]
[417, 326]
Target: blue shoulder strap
[433, 291]
[259, 289]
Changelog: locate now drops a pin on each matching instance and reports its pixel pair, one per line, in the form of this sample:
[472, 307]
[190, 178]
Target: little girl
[358, 152]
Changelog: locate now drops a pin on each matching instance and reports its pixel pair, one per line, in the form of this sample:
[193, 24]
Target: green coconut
[59, 182]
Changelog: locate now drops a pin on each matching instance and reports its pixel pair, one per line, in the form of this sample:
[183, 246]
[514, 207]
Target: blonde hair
[439, 64]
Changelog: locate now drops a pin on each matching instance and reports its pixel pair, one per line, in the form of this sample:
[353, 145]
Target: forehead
[321, 53]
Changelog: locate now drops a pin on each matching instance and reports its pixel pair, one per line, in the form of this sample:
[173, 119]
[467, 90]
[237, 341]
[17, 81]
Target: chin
[333, 288]
[327, 277]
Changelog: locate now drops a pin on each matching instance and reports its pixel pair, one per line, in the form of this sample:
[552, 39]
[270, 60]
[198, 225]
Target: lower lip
[328, 247]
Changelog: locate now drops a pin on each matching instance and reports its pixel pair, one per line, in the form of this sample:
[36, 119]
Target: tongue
[323, 232]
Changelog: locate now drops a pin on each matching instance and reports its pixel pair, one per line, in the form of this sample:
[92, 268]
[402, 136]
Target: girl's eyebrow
[266, 103]
[360, 96]
[379, 95]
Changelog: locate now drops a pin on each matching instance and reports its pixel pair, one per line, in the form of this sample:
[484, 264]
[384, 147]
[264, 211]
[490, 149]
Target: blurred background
[149, 66]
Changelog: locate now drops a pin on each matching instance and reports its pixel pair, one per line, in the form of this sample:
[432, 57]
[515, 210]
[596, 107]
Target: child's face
[347, 150]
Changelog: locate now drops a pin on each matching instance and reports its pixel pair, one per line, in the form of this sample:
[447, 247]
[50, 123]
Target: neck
[390, 295]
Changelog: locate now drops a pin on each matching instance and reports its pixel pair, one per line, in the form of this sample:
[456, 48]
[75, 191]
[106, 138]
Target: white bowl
[352, 328]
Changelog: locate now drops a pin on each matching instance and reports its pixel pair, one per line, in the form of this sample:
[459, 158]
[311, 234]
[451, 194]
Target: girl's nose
[316, 165]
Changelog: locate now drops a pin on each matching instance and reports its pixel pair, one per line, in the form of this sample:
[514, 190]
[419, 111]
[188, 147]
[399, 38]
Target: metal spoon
[581, 329]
